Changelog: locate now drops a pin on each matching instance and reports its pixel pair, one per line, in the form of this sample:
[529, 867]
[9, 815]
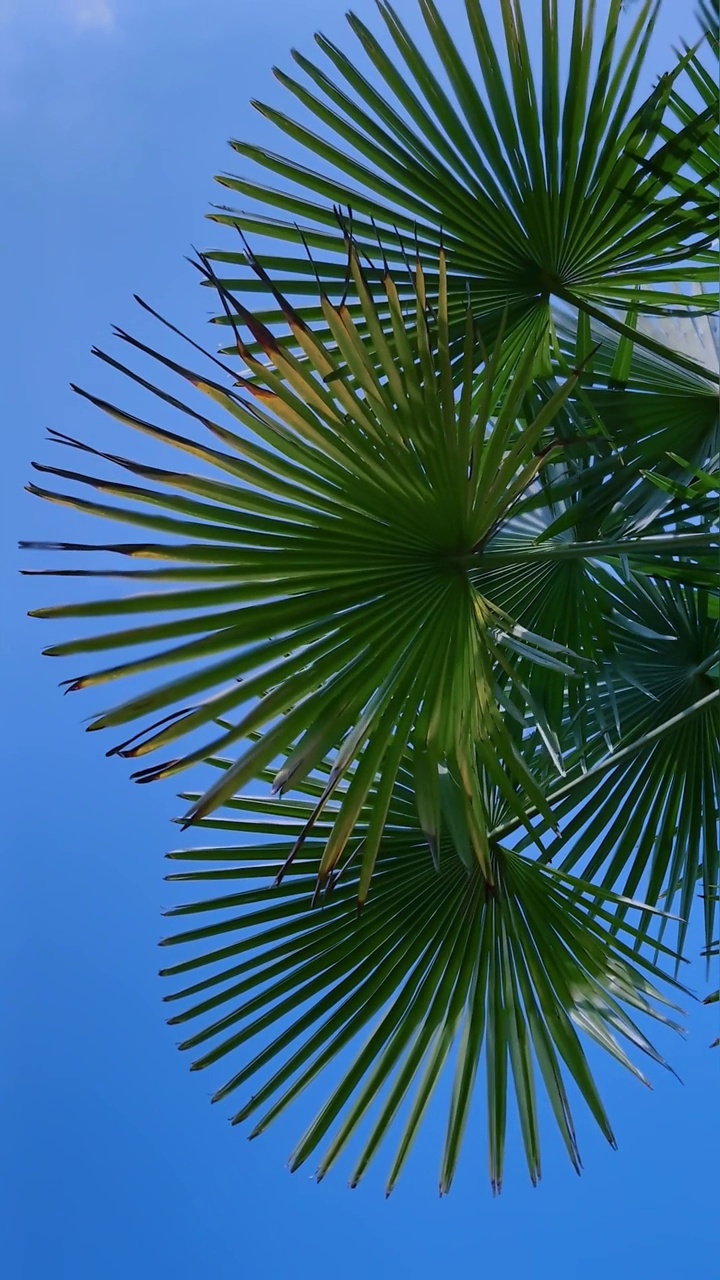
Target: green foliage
[443, 578]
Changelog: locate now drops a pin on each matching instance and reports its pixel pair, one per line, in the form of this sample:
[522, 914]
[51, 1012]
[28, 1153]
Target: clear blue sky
[113, 119]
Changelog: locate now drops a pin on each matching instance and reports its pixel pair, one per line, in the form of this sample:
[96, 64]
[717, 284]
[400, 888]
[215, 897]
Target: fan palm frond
[441, 974]
[546, 186]
[351, 526]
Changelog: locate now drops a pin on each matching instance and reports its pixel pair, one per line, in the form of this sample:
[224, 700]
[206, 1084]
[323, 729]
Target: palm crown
[443, 581]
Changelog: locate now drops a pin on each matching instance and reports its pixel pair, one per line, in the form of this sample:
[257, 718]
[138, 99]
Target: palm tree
[442, 580]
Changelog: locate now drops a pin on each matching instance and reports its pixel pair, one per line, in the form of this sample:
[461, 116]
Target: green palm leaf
[643, 818]
[547, 187]
[439, 973]
[350, 535]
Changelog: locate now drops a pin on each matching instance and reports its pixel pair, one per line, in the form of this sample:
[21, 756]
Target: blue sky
[113, 119]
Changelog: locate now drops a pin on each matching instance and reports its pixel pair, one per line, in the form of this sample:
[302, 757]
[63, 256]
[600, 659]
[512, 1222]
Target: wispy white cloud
[91, 15]
[73, 15]
[29, 27]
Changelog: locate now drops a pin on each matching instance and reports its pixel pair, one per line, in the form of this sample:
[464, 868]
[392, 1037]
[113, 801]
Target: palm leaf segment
[438, 971]
[698, 177]
[538, 192]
